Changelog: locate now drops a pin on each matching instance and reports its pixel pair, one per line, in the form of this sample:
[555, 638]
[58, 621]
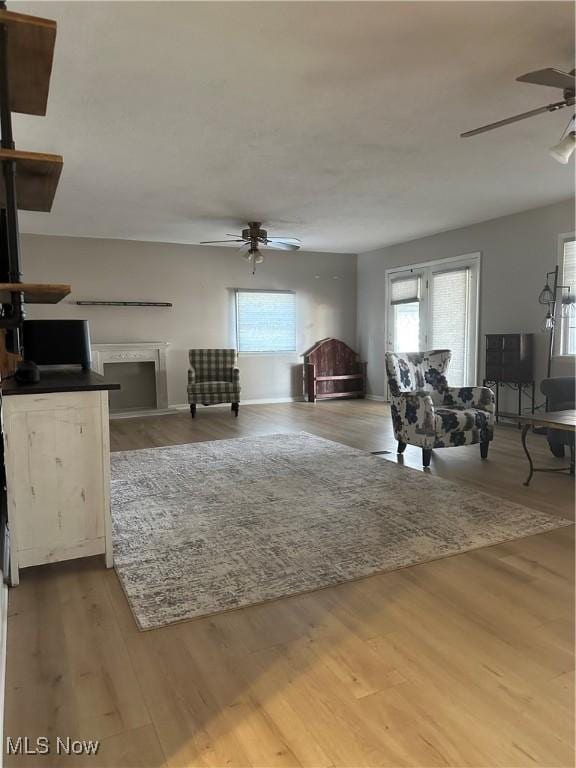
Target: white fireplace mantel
[136, 352]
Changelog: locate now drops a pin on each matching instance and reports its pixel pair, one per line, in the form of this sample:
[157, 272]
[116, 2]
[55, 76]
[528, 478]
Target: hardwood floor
[465, 661]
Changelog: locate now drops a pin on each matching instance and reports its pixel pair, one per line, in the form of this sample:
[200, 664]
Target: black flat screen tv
[57, 342]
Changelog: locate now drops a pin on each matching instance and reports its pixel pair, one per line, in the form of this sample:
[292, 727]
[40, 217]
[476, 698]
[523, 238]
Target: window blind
[568, 334]
[569, 265]
[450, 320]
[405, 290]
[266, 321]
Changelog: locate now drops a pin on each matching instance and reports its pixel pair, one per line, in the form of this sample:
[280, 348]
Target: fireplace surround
[154, 352]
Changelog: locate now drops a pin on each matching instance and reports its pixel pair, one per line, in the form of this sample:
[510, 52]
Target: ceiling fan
[552, 78]
[253, 238]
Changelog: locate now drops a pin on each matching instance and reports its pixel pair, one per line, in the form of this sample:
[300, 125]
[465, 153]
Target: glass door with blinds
[436, 307]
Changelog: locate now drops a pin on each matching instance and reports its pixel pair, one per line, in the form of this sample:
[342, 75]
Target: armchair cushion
[448, 420]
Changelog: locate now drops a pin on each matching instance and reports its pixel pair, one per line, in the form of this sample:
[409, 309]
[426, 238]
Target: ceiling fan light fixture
[562, 152]
[257, 255]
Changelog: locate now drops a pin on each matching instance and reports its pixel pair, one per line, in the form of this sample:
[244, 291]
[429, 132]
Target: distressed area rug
[207, 527]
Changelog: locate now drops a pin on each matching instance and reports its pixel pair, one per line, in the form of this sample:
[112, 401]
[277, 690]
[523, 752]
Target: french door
[435, 306]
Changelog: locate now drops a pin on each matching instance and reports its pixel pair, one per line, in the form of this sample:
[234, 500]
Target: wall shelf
[35, 293]
[124, 303]
[37, 176]
[30, 54]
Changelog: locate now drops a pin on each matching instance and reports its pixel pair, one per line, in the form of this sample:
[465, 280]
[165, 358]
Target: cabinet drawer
[50, 402]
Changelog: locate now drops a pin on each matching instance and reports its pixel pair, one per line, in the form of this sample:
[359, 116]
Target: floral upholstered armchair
[213, 377]
[429, 413]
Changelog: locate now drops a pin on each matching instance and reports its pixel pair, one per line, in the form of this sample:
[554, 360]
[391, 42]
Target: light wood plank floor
[466, 661]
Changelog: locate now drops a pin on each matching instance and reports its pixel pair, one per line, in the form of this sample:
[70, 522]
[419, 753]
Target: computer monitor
[57, 342]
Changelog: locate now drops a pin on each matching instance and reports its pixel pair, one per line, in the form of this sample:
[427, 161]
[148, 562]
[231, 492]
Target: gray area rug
[207, 527]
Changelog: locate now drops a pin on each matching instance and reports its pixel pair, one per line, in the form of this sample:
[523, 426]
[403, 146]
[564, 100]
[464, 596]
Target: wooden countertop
[63, 380]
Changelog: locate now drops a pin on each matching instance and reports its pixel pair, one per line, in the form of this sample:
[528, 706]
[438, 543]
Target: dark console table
[510, 363]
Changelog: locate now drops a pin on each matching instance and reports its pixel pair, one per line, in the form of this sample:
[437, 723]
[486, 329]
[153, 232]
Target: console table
[564, 420]
[57, 462]
[510, 363]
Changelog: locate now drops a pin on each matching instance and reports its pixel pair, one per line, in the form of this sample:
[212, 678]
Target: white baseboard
[136, 414]
[378, 398]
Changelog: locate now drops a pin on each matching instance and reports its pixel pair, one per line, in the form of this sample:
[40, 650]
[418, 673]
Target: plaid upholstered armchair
[429, 413]
[213, 377]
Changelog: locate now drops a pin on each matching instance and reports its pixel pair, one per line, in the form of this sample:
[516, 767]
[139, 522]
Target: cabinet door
[54, 458]
[494, 352]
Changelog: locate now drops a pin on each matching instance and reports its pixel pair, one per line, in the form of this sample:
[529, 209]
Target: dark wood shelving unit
[28, 180]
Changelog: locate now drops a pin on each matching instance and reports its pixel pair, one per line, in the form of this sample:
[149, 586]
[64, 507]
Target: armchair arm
[413, 418]
[481, 398]
[559, 392]
[191, 375]
[236, 375]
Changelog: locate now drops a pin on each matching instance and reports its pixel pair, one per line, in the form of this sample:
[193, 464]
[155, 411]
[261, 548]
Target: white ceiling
[334, 122]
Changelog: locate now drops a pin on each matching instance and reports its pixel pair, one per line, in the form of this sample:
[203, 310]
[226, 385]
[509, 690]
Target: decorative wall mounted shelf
[124, 303]
[35, 293]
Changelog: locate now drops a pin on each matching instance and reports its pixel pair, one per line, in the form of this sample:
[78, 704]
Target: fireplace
[140, 368]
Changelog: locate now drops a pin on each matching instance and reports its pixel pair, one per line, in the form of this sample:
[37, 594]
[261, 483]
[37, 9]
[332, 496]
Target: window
[435, 306]
[265, 321]
[450, 314]
[566, 308]
[405, 298]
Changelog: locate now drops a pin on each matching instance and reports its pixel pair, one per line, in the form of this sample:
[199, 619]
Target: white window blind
[450, 295]
[266, 321]
[568, 334]
[405, 290]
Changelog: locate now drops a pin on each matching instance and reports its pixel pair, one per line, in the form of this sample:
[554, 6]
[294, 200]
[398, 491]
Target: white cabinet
[57, 458]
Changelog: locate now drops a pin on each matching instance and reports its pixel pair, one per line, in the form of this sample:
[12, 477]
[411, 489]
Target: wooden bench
[333, 369]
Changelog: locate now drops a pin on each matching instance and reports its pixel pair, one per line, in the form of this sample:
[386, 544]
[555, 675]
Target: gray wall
[516, 250]
[198, 280]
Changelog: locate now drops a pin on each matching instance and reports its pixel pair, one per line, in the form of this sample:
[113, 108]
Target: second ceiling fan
[253, 238]
[552, 78]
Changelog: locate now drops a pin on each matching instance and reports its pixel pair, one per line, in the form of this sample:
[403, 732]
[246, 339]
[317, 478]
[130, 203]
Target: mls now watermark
[43, 745]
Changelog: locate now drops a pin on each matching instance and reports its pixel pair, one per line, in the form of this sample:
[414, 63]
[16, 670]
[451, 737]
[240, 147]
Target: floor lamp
[549, 298]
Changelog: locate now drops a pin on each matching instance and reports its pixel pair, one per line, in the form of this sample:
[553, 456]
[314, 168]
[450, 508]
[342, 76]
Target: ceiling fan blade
[211, 242]
[517, 118]
[553, 78]
[282, 246]
[281, 239]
